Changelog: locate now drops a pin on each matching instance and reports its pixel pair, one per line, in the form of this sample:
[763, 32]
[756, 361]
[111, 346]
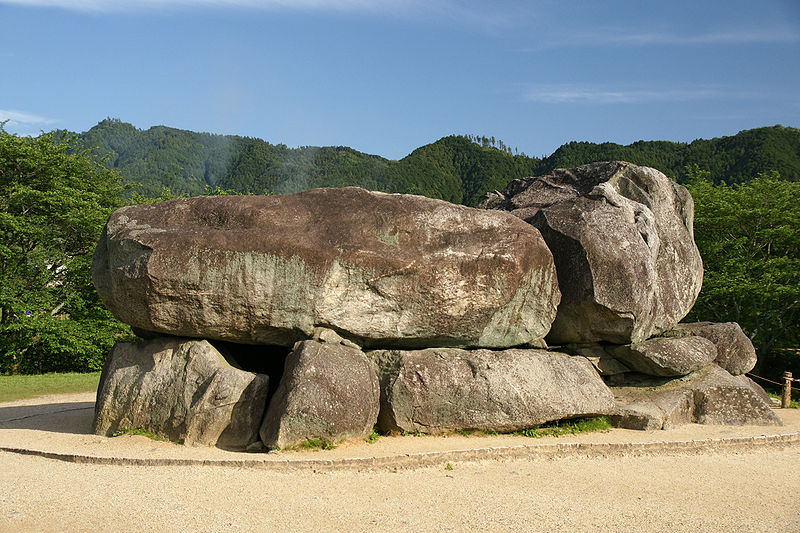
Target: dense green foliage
[453, 168]
[727, 159]
[456, 168]
[53, 205]
[461, 170]
[182, 160]
[749, 237]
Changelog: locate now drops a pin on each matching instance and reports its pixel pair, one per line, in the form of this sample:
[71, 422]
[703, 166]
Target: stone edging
[439, 458]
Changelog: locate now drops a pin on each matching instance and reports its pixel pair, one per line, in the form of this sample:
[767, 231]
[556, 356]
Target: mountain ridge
[456, 168]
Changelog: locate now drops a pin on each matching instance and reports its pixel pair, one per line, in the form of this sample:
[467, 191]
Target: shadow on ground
[70, 417]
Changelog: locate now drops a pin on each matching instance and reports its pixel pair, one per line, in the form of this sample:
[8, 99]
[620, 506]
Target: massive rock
[439, 390]
[663, 356]
[622, 239]
[180, 389]
[329, 271]
[380, 269]
[710, 396]
[329, 391]
[735, 351]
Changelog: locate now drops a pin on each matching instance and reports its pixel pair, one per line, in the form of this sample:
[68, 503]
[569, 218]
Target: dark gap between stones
[257, 358]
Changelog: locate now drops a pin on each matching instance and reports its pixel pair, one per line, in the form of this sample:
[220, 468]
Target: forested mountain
[729, 159]
[456, 168]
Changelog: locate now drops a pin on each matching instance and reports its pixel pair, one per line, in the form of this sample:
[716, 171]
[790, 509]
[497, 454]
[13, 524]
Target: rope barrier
[765, 379]
[774, 382]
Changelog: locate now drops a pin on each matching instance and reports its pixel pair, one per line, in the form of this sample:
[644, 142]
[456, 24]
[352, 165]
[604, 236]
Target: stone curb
[439, 458]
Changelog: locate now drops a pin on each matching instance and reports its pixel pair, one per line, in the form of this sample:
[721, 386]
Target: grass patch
[551, 429]
[474, 433]
[137, 431]
[373, 437]
[20, 387]
[311, 444]
[566, 427]
[794, 404]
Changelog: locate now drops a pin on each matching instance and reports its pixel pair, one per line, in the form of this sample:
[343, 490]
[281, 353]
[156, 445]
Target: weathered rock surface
[386, 269]
[735, 351]
[710, 396]
[180, 389]
[439, 390]
[731, 400]
[603, 362]
[622, 239]
[329, 391]
[637, 409]
[329, 271]
[666, 356]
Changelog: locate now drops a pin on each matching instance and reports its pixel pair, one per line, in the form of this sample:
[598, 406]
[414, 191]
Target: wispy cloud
[24, 123]
[145, 5]
[490, 17]
[747, 36]
[599, 94]
[619, 37]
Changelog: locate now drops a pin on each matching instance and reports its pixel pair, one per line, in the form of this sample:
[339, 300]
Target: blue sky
[387, 76]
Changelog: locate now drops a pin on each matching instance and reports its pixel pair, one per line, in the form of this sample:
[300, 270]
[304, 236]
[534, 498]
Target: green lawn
[20, 387]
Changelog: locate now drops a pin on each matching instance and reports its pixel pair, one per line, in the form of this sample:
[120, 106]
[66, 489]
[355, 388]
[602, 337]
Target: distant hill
[455, 168]
[730, 159]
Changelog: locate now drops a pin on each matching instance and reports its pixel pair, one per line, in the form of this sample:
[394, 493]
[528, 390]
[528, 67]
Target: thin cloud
[465, 13]
[570, 94]
[618, 37]
[149, 5]
[23, 123]
[774, 36]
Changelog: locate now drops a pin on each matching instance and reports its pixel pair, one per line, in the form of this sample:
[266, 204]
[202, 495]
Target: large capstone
[623, 243]
[380, 269]
[180, 389]
[329, 392]
[440, 390]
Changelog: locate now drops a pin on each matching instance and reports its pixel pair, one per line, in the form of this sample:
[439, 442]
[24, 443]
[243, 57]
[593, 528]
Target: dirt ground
[700, 489]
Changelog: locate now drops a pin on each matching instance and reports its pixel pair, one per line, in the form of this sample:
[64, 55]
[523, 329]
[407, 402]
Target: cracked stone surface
[182, 390]
[329, 391]
[735, 350]
[380, 269]
[439, 390]
[623, 242]
[662, 356]
[709, 396]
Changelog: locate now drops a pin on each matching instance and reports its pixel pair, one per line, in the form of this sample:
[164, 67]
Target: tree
[54, 202]
[749, 237]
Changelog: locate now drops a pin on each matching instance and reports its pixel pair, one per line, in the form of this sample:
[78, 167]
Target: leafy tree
[749, 237]
[54, 202]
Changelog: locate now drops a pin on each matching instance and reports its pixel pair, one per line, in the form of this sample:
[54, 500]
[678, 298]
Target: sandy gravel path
[699, 490]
